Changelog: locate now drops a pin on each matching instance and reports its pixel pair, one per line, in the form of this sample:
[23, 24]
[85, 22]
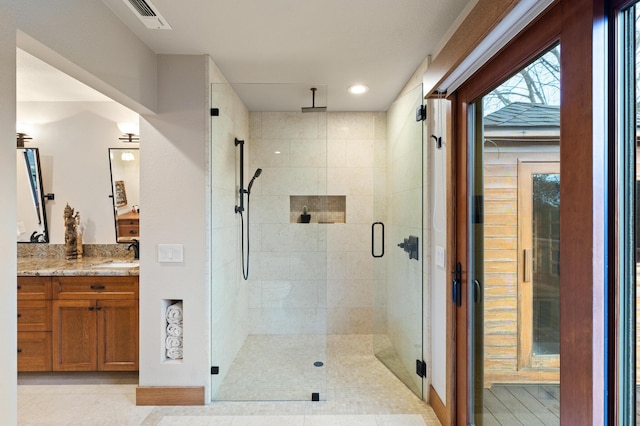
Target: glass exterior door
[627, 183]
[397, 243]
[513, 238]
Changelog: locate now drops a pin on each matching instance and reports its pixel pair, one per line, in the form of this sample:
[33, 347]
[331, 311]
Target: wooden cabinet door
[117, 335]
[34, 315]
[34, 288]
[74, 335]
[34, 351]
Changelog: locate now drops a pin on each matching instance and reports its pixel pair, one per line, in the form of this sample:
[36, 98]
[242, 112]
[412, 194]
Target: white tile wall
[302, 274]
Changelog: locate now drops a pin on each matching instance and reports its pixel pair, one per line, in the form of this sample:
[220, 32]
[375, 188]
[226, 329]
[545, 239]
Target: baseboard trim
[170, 395]
[438, 407]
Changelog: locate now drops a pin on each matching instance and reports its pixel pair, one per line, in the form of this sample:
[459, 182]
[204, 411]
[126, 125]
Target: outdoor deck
[529, 405]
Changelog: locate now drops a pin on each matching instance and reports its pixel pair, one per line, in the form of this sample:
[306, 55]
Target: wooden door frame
[580, 26]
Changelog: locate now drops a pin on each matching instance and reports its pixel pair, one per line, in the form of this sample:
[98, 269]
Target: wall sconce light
[129, 132]
[22, 134]
[129, 137]
[22, 138]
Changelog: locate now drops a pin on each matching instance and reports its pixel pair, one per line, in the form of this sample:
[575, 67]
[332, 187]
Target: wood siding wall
[501, 269]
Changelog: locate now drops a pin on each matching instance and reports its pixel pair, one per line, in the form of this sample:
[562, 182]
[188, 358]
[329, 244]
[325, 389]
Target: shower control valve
[410, 245]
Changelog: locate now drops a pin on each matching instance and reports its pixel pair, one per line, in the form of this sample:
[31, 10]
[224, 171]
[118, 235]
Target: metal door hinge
[421, 113]
[421, 368]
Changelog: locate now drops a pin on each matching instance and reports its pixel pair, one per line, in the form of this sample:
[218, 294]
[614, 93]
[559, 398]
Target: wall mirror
[31, 213]
[125, 192]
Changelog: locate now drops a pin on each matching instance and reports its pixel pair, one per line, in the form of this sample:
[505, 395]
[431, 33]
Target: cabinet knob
[19, 315]
[97, 287]
[98, 308]
[91, 308]
[19, 350]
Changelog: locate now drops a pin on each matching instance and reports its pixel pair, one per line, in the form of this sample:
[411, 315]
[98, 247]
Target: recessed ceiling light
[358, 89]
[276, 152]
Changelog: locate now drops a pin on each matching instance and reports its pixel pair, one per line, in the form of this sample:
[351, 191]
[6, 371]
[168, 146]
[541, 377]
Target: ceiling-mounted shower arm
[313, 107]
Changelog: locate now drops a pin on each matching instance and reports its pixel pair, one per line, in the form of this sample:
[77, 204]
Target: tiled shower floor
[359, 391]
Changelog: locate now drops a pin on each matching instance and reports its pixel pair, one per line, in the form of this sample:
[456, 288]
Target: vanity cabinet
[34, 324]
[128, 226]
[95, 323]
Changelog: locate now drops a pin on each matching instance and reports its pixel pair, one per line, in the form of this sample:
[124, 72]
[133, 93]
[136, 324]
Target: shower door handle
[373, 228]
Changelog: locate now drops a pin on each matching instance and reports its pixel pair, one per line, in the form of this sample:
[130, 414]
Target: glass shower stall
[306, 243]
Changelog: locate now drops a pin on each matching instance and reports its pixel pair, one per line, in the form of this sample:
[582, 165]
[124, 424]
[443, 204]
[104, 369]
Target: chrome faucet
[135, 244]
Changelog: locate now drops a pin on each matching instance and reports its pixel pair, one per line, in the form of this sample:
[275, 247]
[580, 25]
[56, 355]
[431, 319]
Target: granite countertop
[38, 266]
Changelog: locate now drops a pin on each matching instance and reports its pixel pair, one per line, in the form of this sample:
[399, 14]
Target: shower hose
[245, 269]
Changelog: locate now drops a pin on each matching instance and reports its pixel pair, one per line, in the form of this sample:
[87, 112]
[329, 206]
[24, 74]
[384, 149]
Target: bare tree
[537, 83]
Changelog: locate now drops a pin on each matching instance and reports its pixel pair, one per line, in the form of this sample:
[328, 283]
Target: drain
[318, 364]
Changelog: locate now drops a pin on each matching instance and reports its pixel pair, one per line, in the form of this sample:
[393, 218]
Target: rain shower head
[313, 107]
[255, 176]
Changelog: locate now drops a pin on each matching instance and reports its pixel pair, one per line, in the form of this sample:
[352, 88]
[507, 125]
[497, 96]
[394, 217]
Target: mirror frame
[42, 208]
[115, 188]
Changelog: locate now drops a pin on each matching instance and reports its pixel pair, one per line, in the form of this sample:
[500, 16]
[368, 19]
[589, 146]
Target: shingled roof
[521, 114]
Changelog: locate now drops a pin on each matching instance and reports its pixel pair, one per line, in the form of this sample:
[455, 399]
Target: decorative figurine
[78, 235]
[70, 234]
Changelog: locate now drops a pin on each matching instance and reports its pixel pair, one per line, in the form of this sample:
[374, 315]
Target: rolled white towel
[174, 353]
[173, 342]
[174, 313]
[174, 329]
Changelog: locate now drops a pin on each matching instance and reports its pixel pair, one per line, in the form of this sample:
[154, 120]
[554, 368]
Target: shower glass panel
[269, 331]
[397, 234]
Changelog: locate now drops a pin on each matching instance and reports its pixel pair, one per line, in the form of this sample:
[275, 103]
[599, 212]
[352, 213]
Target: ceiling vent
[148, 14]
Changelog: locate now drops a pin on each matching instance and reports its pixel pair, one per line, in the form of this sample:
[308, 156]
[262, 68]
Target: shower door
[397, 244]
[269, 331]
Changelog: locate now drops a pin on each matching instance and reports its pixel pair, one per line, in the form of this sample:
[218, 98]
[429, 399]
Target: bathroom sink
[116, 265]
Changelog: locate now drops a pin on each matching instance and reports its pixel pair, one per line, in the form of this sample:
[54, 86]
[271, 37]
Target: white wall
[87, 41]
[8, 332]
[436, 276]
[73, 139]
[174, 178]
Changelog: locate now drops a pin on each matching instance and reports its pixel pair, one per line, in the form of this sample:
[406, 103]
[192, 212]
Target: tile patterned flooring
[360, 392]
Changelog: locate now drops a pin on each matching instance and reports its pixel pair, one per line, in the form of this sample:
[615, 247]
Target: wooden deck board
[515, 406]
[495, 407]
[508, 405]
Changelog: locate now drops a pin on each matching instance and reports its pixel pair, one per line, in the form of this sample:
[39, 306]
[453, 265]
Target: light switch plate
[440, 258]
[170, 253]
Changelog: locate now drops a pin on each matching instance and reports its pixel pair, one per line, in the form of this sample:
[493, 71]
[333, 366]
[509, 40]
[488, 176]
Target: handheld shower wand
[255, 176]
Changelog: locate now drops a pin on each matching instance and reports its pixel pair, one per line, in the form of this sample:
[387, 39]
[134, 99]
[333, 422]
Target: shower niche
[317, 208]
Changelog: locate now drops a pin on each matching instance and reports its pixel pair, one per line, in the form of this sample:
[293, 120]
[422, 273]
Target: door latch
[456, 288]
